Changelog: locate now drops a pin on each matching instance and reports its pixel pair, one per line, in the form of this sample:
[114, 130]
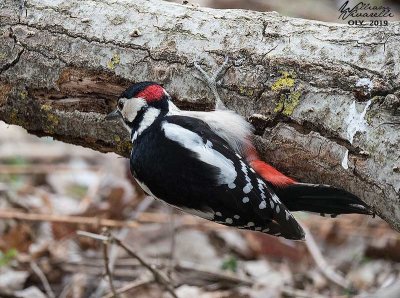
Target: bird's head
[141, 100]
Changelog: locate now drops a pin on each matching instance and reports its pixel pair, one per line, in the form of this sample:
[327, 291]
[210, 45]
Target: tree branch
[326, 94]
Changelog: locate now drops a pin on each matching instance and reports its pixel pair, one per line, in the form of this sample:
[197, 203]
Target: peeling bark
[324, 98]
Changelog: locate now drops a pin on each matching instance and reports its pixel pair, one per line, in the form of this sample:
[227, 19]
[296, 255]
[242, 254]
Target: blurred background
[50, 190]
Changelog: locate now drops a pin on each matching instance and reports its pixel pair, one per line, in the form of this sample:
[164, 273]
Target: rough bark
[324, 98]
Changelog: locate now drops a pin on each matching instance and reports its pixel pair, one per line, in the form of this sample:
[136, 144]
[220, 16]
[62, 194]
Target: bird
[205, 164]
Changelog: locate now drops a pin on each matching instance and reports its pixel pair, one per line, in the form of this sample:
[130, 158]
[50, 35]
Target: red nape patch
[271, 174]
[151, 93]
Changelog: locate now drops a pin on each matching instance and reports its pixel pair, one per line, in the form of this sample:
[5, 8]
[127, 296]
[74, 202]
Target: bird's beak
[113, 115]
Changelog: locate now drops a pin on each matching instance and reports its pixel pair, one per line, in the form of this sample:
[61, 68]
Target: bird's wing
[206, 177]
[238, 133]
[228, 125]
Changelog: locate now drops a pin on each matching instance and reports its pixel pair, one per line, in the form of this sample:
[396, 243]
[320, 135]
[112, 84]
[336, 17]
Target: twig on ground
[131, 285]
[65, 291]
[107, 265]
[144, 217]
[299, 293]
[40, 169]
[92, 267]
[92, 235]
[323, 266]
[173, 243]
[346, 228]
[114, 249]
[158, 276]
[189, 266]
[35, 268]
[69, 219]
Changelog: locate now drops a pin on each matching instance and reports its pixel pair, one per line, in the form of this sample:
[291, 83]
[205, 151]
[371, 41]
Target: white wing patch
[233, 128]
[192, 141]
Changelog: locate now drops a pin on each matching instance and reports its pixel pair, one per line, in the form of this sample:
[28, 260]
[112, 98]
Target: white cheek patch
[132, 107]
[205, 152]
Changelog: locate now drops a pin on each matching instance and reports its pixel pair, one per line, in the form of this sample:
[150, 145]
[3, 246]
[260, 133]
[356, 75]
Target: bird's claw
[214, 80]
[21, 9]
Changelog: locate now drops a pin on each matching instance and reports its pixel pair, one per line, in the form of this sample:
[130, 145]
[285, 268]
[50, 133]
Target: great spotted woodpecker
[204, 163]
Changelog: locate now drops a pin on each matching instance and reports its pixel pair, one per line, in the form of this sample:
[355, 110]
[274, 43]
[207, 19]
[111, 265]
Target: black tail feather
[319, 198]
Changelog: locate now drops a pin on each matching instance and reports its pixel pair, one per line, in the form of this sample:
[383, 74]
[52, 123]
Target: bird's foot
[21, 9]
[214, 81]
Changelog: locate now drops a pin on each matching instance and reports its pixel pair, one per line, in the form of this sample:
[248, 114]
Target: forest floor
[53, 194]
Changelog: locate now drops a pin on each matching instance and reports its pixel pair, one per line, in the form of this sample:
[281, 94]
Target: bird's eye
[120, 105]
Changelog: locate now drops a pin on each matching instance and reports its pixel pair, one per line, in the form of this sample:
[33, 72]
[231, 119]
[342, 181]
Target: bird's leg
[21, 9]
[213, 81]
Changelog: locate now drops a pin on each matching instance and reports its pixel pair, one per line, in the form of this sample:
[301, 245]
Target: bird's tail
[319, 198]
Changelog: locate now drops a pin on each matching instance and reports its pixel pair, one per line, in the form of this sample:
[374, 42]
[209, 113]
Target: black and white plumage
[197, 162]
[206, 177]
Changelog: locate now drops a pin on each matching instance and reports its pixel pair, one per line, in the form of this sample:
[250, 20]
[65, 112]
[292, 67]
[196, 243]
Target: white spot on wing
[250, 224]
[229, 220]
[194, 142]
[287, 215]
[236, 216]
[231, 185]
[275, 198]
[245, 200]
[218, 214]
[263, 205]
[247, 188]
